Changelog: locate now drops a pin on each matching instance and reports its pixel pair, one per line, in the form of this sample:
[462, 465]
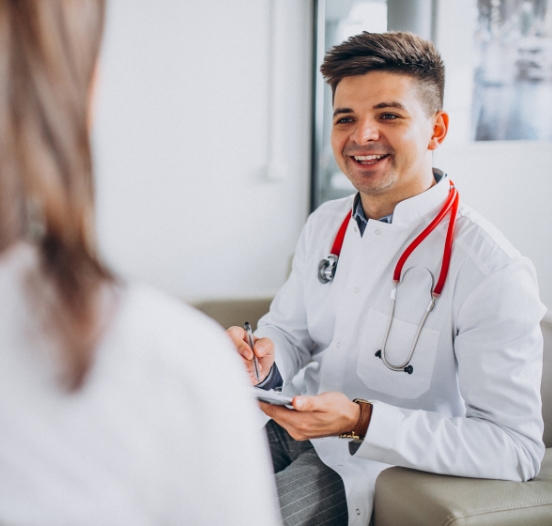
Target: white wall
[509, 182]
[182, 144]
[511, 185]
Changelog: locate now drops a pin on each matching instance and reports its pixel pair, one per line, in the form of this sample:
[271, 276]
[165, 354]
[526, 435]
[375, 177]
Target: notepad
[272, 397]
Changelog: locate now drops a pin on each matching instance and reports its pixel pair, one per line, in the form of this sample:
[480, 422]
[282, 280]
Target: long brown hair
[48, 53]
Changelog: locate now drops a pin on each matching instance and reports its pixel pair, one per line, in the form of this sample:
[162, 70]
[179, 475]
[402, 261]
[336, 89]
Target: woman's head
[48, 55]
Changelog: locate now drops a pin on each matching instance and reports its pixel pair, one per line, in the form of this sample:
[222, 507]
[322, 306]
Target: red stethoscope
[328, 266]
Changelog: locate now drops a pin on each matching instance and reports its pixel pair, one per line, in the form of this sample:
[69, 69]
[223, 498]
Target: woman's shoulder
[169, 349]
[148, 317]
[147, 304]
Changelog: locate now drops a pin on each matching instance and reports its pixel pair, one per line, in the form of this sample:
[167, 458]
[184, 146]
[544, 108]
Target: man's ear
[440, 129]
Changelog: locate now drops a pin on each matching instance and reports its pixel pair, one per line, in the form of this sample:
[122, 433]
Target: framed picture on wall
[512, 97]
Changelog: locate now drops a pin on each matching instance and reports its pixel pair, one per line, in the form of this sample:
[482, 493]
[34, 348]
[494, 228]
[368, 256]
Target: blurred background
[211, 130]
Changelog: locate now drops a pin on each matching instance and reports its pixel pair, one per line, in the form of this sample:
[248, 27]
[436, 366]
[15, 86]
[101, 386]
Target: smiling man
[421, 348]
[382, 138]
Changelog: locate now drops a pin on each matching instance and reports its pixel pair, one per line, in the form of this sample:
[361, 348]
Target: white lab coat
[472, 406]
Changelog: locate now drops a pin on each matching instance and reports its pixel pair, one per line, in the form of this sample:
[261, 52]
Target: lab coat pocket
[377, 376]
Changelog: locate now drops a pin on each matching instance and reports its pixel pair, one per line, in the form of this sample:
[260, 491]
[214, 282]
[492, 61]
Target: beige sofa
[406, 497]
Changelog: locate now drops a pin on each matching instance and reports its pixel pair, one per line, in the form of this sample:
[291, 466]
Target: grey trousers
[310, 493]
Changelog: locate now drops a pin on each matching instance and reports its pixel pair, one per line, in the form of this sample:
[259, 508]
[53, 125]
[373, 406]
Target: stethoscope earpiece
[408, 369]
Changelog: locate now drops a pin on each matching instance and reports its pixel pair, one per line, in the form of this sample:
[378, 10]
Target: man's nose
[366, 131]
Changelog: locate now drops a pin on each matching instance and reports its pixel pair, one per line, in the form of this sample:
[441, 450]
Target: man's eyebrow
[339, 111]
[382, 105]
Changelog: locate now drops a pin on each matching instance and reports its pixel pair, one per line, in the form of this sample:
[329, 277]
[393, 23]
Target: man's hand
[327, 414]
[263, 348]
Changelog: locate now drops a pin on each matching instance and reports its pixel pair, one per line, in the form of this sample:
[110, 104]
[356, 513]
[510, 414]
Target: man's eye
[344, 120]
[389, 116]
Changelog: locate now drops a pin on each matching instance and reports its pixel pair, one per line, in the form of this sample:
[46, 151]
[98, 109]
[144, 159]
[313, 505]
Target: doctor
[467, 402]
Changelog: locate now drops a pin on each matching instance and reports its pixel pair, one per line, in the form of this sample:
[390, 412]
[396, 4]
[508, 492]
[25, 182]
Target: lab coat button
[356, 289]
[358, 511]
[356, 229]
[377, 232]
[338, 345]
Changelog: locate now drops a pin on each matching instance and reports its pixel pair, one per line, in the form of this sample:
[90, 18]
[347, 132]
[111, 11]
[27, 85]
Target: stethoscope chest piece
[327, 268]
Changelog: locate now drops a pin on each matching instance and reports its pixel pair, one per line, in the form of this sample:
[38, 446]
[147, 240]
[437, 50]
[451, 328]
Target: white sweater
[164, 431]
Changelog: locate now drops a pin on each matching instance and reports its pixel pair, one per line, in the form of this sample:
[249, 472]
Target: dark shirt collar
[360, 217]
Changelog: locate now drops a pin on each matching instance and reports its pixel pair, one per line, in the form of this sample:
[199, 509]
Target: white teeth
[368, 157]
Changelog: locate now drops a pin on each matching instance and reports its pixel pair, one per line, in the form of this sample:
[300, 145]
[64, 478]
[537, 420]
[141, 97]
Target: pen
[249, 332]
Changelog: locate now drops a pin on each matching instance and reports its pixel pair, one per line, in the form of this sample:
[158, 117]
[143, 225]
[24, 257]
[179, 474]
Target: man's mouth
[368, 160]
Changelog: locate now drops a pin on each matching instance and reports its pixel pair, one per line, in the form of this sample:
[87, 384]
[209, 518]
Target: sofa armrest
[415, 498]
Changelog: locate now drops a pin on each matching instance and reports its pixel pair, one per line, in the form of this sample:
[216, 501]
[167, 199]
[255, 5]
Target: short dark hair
[396, 52]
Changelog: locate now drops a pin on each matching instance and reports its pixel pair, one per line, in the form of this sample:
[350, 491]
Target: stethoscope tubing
[452, 202]
[451, 205]
[327, 268]
[381, 353]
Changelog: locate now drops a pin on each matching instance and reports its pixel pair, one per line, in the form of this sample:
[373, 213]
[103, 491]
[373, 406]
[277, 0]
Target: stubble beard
[375, 187]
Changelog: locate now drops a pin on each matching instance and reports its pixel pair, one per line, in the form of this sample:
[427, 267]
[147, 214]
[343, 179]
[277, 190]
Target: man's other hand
[263, 348]
[327, 414]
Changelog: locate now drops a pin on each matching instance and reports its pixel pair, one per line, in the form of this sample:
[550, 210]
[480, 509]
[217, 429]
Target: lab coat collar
[429, 202]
